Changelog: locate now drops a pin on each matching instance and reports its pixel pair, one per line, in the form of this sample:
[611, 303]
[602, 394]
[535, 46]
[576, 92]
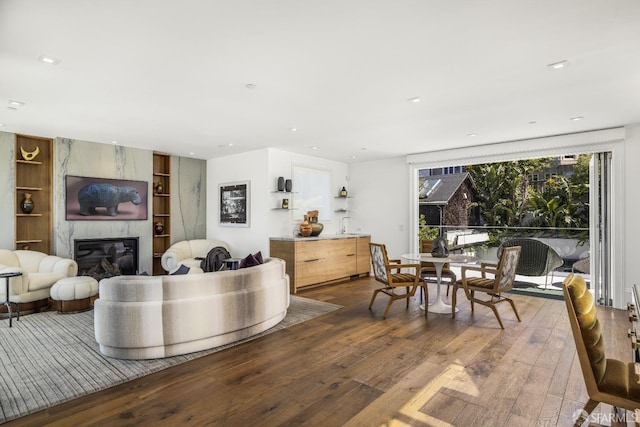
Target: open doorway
[478, 207]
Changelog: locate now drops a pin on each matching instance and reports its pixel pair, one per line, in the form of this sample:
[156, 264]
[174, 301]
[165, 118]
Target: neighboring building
[560, 166]
[446, 199]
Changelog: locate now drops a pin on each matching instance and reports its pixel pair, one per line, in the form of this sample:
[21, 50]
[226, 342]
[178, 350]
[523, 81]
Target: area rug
[49, 358]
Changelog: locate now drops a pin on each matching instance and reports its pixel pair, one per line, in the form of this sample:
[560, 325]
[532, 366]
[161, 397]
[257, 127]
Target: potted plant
[426, 235]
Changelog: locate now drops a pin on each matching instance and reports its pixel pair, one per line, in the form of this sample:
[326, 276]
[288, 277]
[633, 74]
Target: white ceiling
[172, 75]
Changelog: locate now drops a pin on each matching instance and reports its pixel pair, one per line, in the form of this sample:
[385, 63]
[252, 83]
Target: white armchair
[39, 272]
[187, 252]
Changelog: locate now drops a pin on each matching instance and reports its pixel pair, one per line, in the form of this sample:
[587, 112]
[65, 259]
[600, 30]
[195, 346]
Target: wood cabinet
[161, 224]
[322, 261]
[34, 177]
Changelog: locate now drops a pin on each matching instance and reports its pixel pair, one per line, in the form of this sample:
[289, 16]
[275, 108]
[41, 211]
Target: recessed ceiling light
[558, 65]
[250, 86]
[48, 59]
[472, 135]
[230, 144]
[314, 148]
[16, 103]
[354, 157]
[114, 142]
[415, 100]
[191, 153]
[576, 118]
[1, 124]
[293, 129]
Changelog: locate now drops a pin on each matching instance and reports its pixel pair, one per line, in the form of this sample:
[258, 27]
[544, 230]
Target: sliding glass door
[600, 227]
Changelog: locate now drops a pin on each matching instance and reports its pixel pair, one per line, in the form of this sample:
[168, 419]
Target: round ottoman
[74, 293]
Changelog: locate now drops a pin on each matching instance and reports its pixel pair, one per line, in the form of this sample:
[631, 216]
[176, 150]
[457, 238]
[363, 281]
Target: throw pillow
[258, 256]
[249, 261]
[183, 269]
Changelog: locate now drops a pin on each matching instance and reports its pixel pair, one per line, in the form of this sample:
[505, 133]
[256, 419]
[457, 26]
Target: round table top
[451, 258]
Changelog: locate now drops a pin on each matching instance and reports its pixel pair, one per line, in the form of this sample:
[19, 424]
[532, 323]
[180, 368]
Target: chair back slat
[379, 261]
[508, 267]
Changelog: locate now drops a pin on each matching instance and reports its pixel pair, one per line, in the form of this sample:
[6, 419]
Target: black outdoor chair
[536, 258]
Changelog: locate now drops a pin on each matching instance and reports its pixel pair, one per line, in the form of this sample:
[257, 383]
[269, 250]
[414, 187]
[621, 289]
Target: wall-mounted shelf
[283, 209]
[341, 210]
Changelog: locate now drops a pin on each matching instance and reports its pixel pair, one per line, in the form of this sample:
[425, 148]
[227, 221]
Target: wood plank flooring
[351, 367]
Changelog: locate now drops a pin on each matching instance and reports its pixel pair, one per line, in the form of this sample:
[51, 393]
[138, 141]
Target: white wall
[382, 205]
[262, 168]
[630, 203]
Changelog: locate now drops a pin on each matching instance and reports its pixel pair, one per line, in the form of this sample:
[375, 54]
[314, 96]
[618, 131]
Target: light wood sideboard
[322, 260]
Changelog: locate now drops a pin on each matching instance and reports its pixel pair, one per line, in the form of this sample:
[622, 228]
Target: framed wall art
[235, 204]
[101, 199]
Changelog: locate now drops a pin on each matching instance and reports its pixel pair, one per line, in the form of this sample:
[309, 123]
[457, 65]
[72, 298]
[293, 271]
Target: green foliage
[425, 232]
[559, 204]
[504, 189]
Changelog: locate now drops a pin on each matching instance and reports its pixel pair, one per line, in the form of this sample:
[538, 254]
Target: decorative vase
[343, 192]
[280, 183]
[158, 227]
[440, 248]
[159, 188]
[316, 229]
[305, 227]
[288, 185]
[27, 204]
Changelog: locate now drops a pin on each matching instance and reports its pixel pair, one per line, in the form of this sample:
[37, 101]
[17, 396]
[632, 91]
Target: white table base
[438, 306]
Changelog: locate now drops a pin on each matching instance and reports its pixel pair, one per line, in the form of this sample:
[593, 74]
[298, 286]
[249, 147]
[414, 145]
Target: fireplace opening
[102, 258]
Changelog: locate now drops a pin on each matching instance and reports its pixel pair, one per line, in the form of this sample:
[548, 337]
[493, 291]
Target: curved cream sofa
[39, 273]
[148, 317]
[186, 252]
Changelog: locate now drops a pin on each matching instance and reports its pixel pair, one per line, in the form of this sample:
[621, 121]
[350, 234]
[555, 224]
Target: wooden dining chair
[607, 380]
[504, 274]
[388, 272]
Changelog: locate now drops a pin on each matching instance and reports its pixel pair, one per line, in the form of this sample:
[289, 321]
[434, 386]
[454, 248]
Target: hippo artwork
[101, 198]
[107, 196]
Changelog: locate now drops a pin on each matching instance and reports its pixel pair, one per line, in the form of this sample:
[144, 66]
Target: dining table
[438, 306]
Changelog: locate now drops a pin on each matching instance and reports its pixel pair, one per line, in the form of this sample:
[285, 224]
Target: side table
[8, 303]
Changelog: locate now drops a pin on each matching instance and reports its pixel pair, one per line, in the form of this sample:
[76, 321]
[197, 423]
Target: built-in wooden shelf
[34, 176]
[161, 209]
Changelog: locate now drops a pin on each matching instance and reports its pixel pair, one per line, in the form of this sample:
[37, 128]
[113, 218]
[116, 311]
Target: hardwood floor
[351, 367]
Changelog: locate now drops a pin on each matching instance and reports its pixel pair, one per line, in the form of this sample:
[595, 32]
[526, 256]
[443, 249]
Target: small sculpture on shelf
[343, 192]
[285, 203]
[159, 188]
[29, 156]
[288, 185]
[280, 183]
[158, 227]
[27, 204]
